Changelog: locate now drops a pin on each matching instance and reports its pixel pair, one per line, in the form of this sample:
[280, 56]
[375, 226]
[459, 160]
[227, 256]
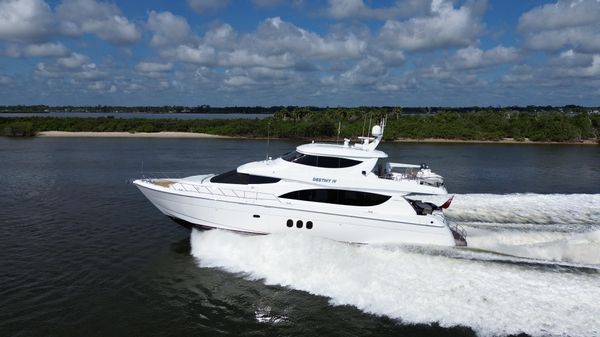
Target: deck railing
[215, 190]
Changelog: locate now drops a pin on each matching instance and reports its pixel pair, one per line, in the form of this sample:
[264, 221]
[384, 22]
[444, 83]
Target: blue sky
[300, 52]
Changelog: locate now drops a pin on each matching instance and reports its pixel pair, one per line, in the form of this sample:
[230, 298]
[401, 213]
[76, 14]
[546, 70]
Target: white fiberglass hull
[266, 216]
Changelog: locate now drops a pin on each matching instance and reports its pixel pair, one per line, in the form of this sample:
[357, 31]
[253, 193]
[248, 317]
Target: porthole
[299, 223]
[309, 225]
[290, 223]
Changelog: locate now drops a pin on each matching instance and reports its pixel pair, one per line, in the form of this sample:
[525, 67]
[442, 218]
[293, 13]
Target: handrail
[218, 191]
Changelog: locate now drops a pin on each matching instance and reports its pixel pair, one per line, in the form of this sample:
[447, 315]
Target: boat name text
[324, 180]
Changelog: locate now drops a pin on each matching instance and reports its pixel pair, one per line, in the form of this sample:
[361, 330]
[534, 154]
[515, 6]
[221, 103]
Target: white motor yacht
[328, 190]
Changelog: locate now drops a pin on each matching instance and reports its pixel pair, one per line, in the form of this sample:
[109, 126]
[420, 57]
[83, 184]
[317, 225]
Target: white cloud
[99, 18]
[274, 44]
[574, 67]
[366, 72]
[237, 81]
[25, 20]
[168, 29]
[571, 24]
[357, 9]
[90, 72]
[42, 70]
[74, 61]
[562, 14]
[276, 36]
[204, 6]
[222, 36]
[153, 67]
[200, 54]
[473, 58]
[46, 50]
[446, 27]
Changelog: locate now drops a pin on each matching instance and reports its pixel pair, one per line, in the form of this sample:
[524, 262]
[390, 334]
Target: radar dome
[376, 131]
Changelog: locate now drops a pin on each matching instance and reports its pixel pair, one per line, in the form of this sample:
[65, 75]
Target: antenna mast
[268, 138]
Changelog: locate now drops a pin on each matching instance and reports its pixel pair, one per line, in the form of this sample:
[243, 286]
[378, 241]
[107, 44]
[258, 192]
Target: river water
[83, 253]
[128, 115]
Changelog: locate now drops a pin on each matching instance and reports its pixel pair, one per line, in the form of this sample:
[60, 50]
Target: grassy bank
[304, 123]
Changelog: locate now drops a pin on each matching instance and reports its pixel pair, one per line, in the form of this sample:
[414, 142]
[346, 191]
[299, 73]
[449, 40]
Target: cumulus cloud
[366, 72]
[74, 61]
[475, 58]
[200, 54]
[205, 6]
[99, 18]
[25, 20]
[46, 50]
[357, 9]
[222, 36]
[275, 36]
[573, 64]
[237, 81]
[151, 67]
[445, 27]
[571, 24]
[74, 66]
[168, 29]
[274, 44]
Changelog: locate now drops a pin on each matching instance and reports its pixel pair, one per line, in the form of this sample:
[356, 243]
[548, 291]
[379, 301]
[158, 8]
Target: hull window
[290, 223]
[299, 223]
[234, 177]
[319, 161]
[309, 225]
[340, 197]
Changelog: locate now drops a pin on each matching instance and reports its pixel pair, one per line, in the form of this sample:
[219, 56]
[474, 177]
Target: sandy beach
[166, 134]
[128, 134]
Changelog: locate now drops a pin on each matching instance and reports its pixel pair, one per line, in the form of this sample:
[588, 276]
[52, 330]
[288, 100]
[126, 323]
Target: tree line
[303, 122]
[533, 109]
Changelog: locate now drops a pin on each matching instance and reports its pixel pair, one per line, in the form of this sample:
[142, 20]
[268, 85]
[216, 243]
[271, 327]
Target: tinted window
[319, 161]
[340, 197]
[234, 177]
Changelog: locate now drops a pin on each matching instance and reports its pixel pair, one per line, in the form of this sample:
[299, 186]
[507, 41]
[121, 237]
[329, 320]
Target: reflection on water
[84, 253]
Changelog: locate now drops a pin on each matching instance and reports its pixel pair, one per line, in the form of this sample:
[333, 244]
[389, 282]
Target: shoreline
[170, 134]
[162, 134]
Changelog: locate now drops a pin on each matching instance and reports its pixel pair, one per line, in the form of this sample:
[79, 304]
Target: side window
[319, 161]
[234, 177]
[340, 197]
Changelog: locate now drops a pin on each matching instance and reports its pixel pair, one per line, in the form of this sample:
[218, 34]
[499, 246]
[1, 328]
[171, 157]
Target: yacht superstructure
[328, 190]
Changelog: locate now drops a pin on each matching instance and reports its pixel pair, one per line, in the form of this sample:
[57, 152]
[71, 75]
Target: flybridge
[363, 150]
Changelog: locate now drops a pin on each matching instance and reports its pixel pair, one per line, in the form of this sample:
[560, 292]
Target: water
[128, 115]
[84, 253]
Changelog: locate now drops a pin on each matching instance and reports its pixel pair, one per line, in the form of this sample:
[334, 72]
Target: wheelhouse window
[234, 177]
[319, 161]
[340, 197]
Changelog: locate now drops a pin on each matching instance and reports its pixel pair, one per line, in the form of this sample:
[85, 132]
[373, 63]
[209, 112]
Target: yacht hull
[260, 216]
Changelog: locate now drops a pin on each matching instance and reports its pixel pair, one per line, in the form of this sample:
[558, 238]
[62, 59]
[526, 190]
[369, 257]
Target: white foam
[578, 248]
[526, 208]
[491, 298]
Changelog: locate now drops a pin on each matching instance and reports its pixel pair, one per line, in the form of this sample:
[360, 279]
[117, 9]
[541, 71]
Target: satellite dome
[376, 131]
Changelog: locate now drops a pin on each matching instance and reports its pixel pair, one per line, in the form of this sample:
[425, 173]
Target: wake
[450, 286]
[526, 208]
